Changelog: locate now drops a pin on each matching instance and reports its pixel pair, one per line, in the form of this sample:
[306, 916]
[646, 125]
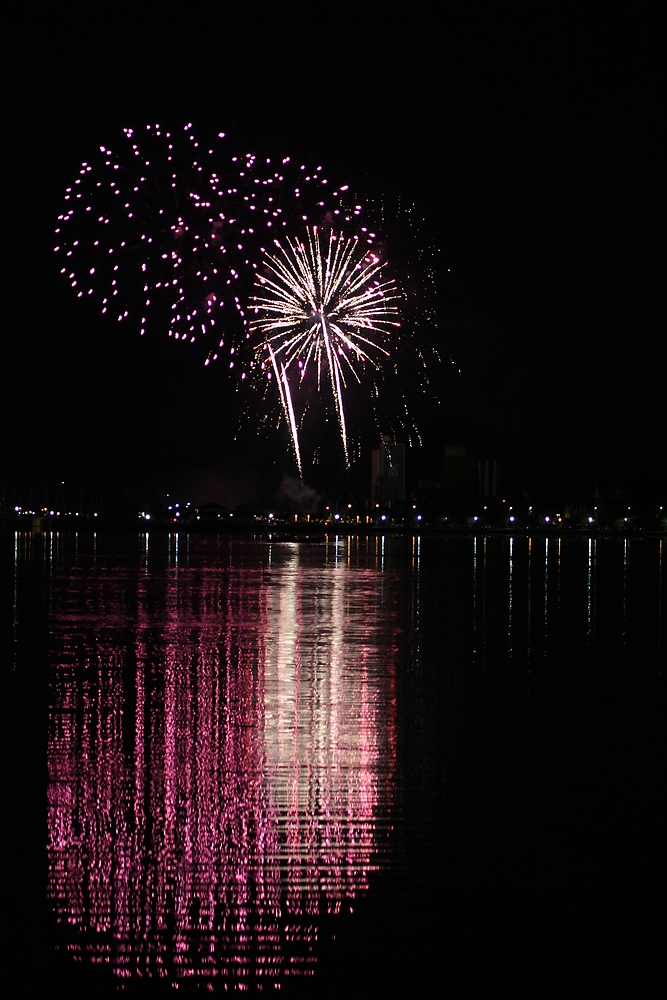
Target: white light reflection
[475, 585]
[660, 600]
[510, 596]
[590, 588]
[626, 554]
[546, 593]
[15, 614]
[529, 594]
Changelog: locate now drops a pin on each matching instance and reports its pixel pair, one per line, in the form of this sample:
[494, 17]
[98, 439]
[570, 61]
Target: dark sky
[528, 142]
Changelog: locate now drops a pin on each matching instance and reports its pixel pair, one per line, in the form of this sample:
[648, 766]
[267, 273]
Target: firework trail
[323, 310]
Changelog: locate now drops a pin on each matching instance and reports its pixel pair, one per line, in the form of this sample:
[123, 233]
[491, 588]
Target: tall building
[465, 476]
[388, 472]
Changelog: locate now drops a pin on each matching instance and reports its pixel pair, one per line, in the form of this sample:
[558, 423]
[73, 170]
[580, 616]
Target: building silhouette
[464, 476]
[388, 472]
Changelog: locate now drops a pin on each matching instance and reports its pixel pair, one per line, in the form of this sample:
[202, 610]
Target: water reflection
[590, 588]
[221, 758]
[535, 587]
[244, 737]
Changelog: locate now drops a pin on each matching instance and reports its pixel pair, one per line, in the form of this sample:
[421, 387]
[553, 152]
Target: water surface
[337, 764]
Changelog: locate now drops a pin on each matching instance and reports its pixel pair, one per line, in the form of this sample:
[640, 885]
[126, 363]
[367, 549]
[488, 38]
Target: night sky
[528, 142]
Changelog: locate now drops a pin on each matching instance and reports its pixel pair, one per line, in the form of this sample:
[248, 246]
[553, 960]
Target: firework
[170, 233]
[323, 316]
[264, 198]
[140, 236]
[164, 230]
[408, 396]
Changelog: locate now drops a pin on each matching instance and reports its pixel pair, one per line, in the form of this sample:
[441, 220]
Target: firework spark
[264, 198]
[140, 233]
[164, 230]
[323, 308]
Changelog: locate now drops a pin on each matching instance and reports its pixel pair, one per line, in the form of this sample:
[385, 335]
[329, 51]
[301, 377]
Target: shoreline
[307, 531]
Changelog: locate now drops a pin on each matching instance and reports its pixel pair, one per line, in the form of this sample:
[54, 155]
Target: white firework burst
[322, 305]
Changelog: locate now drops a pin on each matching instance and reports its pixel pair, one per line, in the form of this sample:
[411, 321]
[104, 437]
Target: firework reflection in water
[221, 769]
